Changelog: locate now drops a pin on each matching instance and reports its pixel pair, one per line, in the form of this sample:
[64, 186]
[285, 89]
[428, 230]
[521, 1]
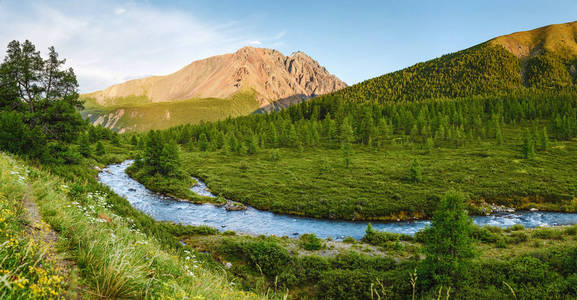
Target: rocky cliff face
[268, 72]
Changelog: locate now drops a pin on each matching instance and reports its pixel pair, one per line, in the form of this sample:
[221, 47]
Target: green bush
[548, 234]
[518, 237]
[380, 238]
[349, 240]
[309, 241]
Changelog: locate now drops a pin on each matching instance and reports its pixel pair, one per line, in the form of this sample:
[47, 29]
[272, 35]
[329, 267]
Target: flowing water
[254, 221]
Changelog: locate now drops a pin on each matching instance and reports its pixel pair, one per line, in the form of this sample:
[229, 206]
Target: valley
[255, 175]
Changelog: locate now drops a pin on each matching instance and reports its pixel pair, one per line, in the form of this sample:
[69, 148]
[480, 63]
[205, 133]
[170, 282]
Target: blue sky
[111, 41]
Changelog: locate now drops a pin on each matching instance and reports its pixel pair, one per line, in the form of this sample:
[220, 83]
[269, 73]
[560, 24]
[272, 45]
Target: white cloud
[120, 11]
[106, 48]
[255, 42]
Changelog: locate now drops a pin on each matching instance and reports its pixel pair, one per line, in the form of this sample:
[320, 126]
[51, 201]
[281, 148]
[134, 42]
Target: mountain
[542, 58]
[211, 89]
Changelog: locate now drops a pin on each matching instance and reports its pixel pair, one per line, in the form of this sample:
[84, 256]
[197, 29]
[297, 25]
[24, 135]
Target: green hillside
[480, 70]
[139, 114]
[543, 58]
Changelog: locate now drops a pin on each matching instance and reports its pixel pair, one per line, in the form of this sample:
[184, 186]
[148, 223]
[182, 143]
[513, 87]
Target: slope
[540, 58]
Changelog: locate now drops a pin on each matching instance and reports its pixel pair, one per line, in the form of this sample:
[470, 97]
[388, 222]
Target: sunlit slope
[146, 116]
[543, 58]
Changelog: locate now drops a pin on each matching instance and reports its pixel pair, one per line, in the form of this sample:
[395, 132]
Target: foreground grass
[116, 260]
[377, 186]
[26, 269]
[535, 263]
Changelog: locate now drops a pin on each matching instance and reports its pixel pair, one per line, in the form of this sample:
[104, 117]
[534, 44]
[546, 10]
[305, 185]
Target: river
[254, 221]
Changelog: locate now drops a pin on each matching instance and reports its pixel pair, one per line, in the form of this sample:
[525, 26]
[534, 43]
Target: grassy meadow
[377, 186]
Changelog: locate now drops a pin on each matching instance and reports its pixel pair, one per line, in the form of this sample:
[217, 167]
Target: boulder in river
[234, 206]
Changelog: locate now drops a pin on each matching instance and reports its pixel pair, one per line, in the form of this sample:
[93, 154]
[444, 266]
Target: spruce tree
[133, 141]
[544, 140]
[499, 135]
[84, 145]
[203, 142]
[415, 172]
[99, 149]
[528, 148]
[448, 245]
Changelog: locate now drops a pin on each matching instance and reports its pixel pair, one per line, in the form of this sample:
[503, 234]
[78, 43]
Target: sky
[108, 42]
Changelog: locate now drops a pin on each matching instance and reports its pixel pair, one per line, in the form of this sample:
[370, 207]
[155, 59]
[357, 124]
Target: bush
[380, 238]
[518, 237]
[349, 240]
[548, 234]
[571, 230]
[266, 256]
[309, 241]
[483, 234]
[501, 243]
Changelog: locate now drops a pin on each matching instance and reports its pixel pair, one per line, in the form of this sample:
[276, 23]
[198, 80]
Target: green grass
[115, 258]
[26, 268]
[376, 186]
[134, 116]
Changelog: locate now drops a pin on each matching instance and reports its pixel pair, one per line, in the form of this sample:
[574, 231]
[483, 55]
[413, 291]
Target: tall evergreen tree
[544, 140]
[415, 172]
[448, 245]
[528, 148]
[84, 145]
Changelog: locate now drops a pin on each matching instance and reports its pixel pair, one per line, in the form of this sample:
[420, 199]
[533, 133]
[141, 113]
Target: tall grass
[115, 259]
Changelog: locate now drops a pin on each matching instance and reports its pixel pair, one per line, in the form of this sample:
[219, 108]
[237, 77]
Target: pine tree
[115, 139]
[346, 154]
[190, 145]
[528, 148]
[252, 145]
[133, 141]
[415, 172]
[153, 152]
[448, 245]
[499, 135]
[429, 145]
[203, 142]
[84, 145]
[169, 159]
[544, 140]
[99, 149]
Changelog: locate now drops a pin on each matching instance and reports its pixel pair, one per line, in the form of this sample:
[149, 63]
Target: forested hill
[542, 58]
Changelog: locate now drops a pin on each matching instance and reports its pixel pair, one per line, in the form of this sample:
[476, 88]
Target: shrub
[571, 230]
[266, 256]
[548, 233]
[309, 241]
[483, 234]
[518, 237]
[349, 240]
[380, 238]
[501, 243]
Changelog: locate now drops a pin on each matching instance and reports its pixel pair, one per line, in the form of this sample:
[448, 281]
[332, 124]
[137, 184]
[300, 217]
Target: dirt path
[41, 232]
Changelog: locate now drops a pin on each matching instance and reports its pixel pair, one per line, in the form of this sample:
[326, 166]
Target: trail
[44, 235]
